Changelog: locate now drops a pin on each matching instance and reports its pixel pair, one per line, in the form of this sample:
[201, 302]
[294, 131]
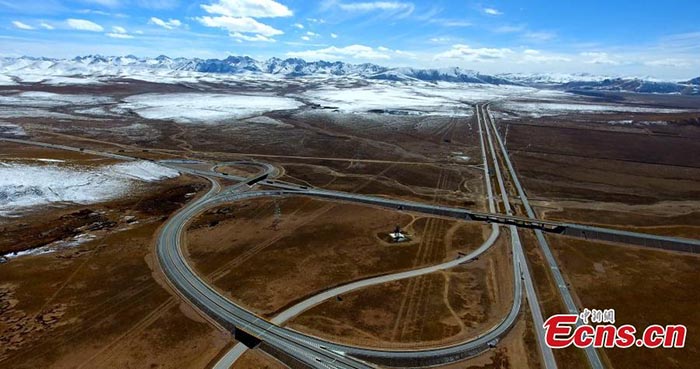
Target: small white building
[398, 236]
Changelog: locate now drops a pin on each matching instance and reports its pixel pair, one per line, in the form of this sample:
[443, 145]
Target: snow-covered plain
[441, 98]
[205, 107]
[385, 98]
[49, 100]
[542, 109]
[348, 94]
[36, 104]
[24, 186]
[29, 112]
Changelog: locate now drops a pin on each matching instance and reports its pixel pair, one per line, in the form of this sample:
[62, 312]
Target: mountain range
[122, 66]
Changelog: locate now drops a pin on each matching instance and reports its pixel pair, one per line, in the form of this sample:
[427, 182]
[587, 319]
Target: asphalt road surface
[591, 353]
[533, 301]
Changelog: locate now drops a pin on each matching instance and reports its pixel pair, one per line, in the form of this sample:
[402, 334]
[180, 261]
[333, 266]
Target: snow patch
[385, 98]
[460, 156]
[541, 109]
[10, 130]
[95, 111]
[22, 112]
[24, 186]
[50, 160]
[49, 100]
[204, 107]
[52, 247]
[442, 98]
[263, 119]
[145, 171]
[641, 122]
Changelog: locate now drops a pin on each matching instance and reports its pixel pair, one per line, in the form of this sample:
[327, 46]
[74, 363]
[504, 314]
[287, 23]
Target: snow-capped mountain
[585, 81]
[97, 65]
[550, 78]
[633, 85]
[99, 68]
[439, 75]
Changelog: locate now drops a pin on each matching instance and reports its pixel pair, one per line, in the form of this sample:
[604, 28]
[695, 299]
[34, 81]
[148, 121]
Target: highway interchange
[295, 348]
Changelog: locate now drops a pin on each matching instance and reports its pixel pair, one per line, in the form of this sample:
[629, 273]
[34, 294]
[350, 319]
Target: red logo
[563, 330]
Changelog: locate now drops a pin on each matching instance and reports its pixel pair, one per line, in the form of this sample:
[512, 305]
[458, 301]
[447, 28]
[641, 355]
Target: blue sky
[638, 38]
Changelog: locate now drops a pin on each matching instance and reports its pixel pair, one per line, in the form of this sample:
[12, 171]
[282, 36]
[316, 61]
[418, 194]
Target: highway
[403, 358]
[228, 359]
[442, 355]
[569, 229]
[70, 148]
[533, 301]
[591, 353]
[406, 358]
[311, 351]
[306, 349]
[295, 347]
[220, 309]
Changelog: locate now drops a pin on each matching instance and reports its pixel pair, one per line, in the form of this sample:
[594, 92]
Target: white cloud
[119, 32]
[240, 25]
[355, 52]
[510, 29]
[21, 25]
[46, 26]
[492, 11]
[248, 8]
[298, 25]
[450, 22]
[393, 7]
[599, 58]
[440, 40]
[539, 36]
[376, 5]
[467, 53]
[668, 62]
[500, 56]
[524, 33]
[84, 25]
[93, 11]
[169, 24]
[237, 17]
[406, 54]
[309, 35]
[256, 38]
[536, 56]
[333, 35]
[119, 35]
